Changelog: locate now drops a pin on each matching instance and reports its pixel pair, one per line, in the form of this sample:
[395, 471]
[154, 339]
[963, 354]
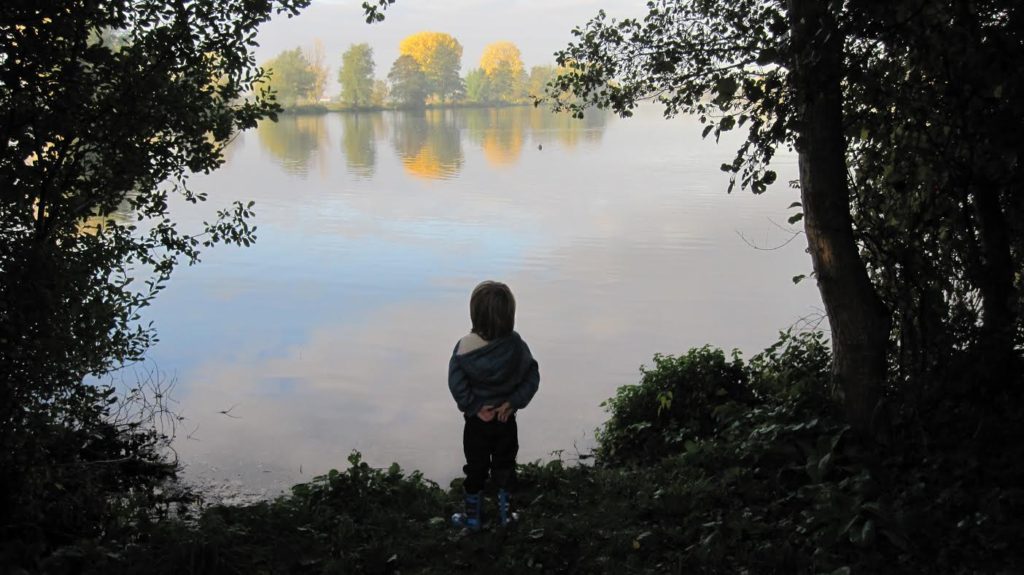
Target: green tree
[408, 82]
[506, 83]
[291, 78]
[380, 94]
[889, 161]
[356, 75]
[538, 80]
[936, 158]
[478, 86]
[91, 125]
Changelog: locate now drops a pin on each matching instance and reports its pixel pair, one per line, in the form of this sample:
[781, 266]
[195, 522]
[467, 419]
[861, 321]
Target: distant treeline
[425, 73]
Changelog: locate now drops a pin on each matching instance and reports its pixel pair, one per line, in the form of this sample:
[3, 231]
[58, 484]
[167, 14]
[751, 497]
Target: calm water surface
[333, 331]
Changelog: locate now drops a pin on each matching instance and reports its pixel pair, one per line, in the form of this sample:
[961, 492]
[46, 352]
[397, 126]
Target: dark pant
[490, 446]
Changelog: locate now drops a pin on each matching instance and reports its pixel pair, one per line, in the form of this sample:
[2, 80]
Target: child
[491, 375]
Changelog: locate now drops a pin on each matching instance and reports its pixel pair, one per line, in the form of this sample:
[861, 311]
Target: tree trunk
[998, 295]
[858, 319]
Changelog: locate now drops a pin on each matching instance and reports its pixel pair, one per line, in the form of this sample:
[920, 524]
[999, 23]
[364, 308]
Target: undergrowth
[708, 465]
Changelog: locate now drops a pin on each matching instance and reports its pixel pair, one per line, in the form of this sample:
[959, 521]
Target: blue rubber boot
[505, 514]
[472, 518]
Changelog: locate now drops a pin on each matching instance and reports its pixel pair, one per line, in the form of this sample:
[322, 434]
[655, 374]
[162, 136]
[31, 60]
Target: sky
[537, 27]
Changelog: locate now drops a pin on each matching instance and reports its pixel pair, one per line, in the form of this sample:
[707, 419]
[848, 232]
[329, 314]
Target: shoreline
[319, 109]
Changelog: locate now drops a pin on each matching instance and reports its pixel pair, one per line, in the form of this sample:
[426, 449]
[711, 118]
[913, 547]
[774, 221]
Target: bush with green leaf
[360, 520]
[680, 399]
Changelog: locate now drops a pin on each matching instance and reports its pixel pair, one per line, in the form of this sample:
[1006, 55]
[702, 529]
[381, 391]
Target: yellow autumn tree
[502, 53]
[503, 65]
[440, 57]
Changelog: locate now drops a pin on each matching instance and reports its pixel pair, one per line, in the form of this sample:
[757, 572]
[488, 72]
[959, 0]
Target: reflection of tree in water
[122, 215]
[499, 132]
[359, 141]
[428, 143]
[293, 140]
[546, 126]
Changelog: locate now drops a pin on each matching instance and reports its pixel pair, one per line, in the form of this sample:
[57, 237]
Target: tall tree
[356, 75]
[318, 64]
[503, 64]
[291, 77]
[440, 57]
[859, 321]
[408, 82]
[894, 112]
[939, 157]
[757, 60]
[91, 125]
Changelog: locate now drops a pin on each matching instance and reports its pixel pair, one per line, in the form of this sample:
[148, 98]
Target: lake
[333, 332]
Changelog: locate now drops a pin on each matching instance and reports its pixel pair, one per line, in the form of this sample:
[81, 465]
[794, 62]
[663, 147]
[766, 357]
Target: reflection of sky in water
[333, 332]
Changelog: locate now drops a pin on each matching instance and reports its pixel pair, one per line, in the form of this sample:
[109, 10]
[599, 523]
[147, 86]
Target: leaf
[799, 278]
[796, 205]
[823, 464]
[867, 533]
[795, 218]
[639, 539]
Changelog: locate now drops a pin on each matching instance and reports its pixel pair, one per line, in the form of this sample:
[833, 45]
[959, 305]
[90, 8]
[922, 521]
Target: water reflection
[333, 331]
[428, 143]
[499, 132]
[546, 127]
[122, 215]
[293, 141]
[502, 132]
[359, 142]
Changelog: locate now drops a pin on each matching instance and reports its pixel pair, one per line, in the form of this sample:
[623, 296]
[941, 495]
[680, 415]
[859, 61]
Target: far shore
[309, 109]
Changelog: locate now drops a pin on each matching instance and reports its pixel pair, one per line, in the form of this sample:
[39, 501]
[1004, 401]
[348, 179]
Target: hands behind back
[486, 413]
[504, 411]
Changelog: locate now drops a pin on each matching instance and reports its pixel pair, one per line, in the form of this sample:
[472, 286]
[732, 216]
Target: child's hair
[492, 310]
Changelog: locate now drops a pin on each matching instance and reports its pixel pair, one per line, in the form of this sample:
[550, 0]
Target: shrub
[676, 401]
[794, 368]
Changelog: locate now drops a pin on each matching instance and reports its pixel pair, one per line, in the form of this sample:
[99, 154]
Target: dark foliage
[930, 106]
[107, 107]
[774, 482]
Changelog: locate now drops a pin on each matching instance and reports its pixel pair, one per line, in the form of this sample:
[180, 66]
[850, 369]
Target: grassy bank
[710, 464]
